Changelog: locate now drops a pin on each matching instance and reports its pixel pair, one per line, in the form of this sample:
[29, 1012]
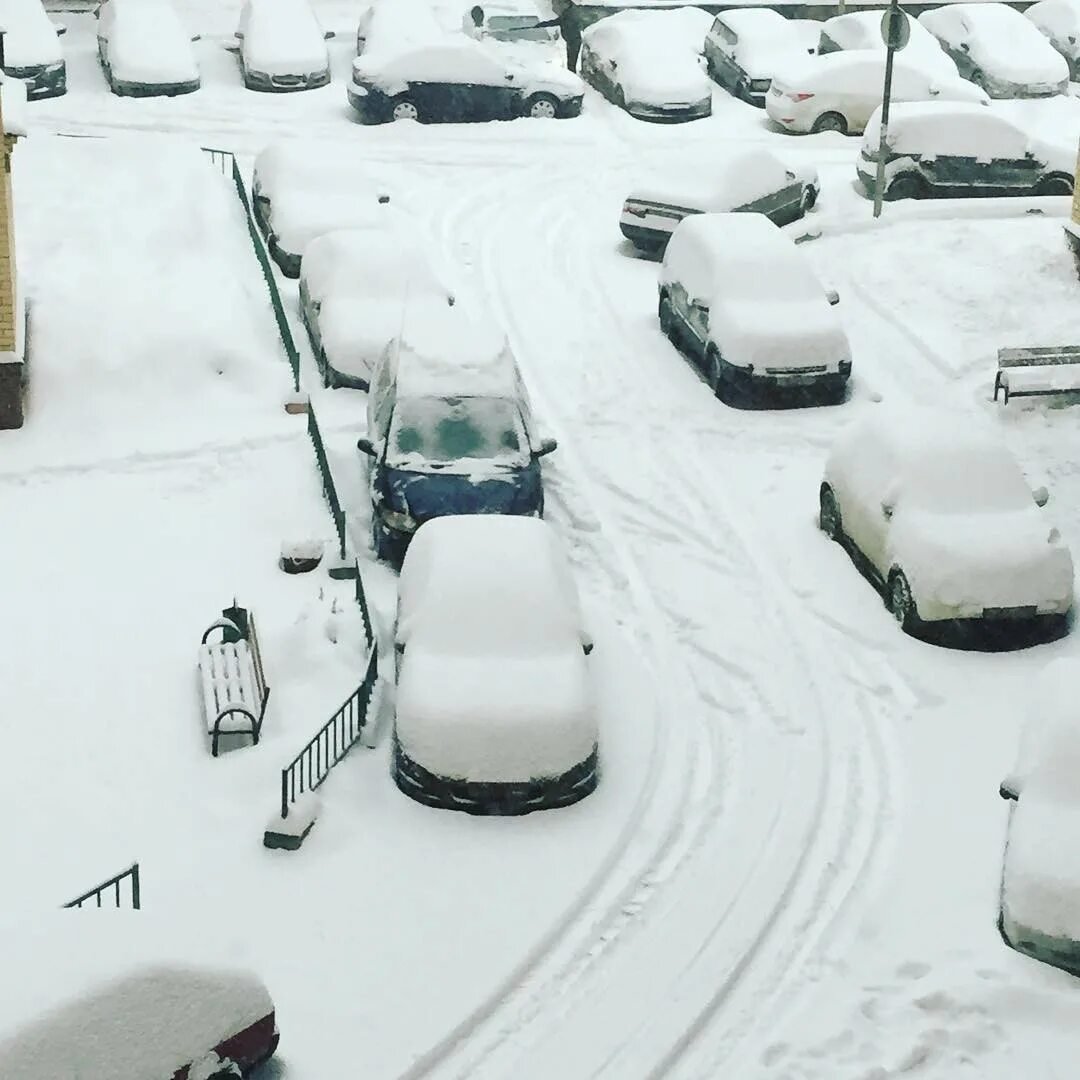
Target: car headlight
[359, 90]
[396, 519]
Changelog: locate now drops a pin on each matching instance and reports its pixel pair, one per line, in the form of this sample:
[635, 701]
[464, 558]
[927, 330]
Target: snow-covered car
[649, 63]
[745, 47]
[495, 713]
[144, 49]
[1039, 913]
[450, 428]
[154, 1020]
[741, 299]
[939, 516]
[457, 82]
[387, 26]
[998, 49]
[862, 30]
[298, 193]
[357, 287]
[754, 181]
[961, 151]
[512, 22]
[32, 50]
[841, 90]
[1059, 22]
[282, 46]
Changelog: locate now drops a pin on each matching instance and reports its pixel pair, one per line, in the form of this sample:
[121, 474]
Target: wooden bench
[1037, 371]
[234, 690]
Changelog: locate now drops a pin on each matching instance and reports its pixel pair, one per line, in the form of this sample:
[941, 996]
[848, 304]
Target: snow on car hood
[495, 719]
[1015, 50]
[30, 36]
[355, 331]
[772, 334]
[151, 47]
[546, 76]
[297, 219]
[739, 180]
[285, 40]
[665, 86]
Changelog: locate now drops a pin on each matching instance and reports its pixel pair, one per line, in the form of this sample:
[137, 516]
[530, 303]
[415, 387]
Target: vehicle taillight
[800, 97]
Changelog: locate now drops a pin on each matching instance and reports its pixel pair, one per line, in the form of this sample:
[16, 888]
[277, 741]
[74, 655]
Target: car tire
[830, 121]
[667, 319]
[404, 108]
[829, 520]
[902, 603]
[713, 368]
[542, 107]
[1054, 185]
[906, 186]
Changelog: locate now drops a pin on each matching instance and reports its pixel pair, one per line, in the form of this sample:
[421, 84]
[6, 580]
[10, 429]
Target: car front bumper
[747, 380]
[285, 84]
[126, 88]
[41, 82]
[668, 114]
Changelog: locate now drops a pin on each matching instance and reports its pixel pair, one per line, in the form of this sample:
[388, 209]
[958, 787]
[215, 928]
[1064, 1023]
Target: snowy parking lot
[790, 868]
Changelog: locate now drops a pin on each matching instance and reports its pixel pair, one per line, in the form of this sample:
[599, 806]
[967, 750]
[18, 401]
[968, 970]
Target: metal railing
[114, 883]
[332, 742]
[328, 486]
[361, 599]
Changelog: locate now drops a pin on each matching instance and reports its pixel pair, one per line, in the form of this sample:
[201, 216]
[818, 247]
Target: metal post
[135, 896]
[285, 792]
[879, 183]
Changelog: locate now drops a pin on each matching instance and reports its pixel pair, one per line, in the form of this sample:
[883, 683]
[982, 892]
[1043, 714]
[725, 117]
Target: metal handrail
[131, 872]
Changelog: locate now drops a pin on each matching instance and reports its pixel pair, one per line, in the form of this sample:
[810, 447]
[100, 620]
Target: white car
[1039, 911]
[300, 190]
[32, 48]
[841, 90]
[144, 49]
[998, 49]
[282, 46]
[495, 712]
[938, 515]
[650, 63]
[355, 286]
[1059, 22]
[862, 30]
[742, 300]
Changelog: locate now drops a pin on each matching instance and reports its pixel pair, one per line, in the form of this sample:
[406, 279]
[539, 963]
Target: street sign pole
[895, 31]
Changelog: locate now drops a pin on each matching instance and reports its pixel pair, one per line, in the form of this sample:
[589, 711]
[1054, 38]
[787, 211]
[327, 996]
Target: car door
[720, 53]
[781, 206]
[493, 89]
[990, 158]
[857, 485]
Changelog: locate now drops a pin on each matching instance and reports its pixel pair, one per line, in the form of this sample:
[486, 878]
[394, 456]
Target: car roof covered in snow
[454, 59]
[933, 127]
[1060, 17]
[287, 163]
[754, 22]
[652, 31]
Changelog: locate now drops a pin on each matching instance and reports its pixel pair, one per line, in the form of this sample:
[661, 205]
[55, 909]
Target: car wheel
[667, 319]
[902, 603]
[829, 515]
[830, 121]
[906, 186]
[713, 368]
[542, 107]
[404, 109]
[1054, 185]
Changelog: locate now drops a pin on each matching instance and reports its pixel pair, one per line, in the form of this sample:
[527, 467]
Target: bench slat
[1039, 356]
[228, 680]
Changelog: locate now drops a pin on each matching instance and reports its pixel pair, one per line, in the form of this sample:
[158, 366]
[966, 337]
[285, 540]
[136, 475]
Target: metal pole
[879, 184]
[136, 896]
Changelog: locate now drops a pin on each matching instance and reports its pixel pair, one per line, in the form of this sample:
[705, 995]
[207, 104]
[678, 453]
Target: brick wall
[7, 252]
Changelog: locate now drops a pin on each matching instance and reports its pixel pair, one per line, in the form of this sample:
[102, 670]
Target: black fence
[332, 742]
[131, 874]
[329, 489]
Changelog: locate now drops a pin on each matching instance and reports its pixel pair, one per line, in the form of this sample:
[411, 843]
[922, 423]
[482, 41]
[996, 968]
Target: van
[32, 48]
[450, 429]
[742, 301]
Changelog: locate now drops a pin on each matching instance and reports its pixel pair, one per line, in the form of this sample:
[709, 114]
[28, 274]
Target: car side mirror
[964, 46]
[329, 34]
[365, 446]
[546, 446]
[833, 297]
[1010, 788]
[887, 510]
[61, 29]
[614, 65]
[586, 647]
[1040, 495]
[196, 37]
[509, 76]
[934, 90]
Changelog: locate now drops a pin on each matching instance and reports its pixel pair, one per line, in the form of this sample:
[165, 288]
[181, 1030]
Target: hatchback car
[998, 49]
[650, 63]
[495, 713]
[282, 47]
[32, 51]
[357, 287]
[450, 428]
[840, 91]
[961, 151]
[753, 181]
[741, 299]
[939, 516]
[459, 82]
[144, 49]
[745, 47]
[1059, 22]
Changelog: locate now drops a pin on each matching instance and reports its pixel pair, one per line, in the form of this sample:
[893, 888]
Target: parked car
[282, 46]
[392, 25]
[745, 47]
[961, 151]
[161, 1021]
[939, 516]
[1040, 880]
[511, 22]
[298, 193]
[450, 429]
[144, 49]
[740, 298]
[754, 181]
[998, 49]
[495, 713]
[841, 90]
[857, 30]
[32, 48]
[458, 82]
[1059, 22]
[357, 287]
[650, 62]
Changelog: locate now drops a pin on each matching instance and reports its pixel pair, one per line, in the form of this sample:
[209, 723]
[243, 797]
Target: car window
[382, 397]
[724, 32]
[442, 430]
[441, 65]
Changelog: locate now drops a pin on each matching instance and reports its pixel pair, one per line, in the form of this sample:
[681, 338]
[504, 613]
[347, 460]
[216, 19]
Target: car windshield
[512, 22]
[443, 430]
[977, 480]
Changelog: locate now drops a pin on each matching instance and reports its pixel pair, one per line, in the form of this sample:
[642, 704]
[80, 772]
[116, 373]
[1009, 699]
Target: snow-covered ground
[790, 867]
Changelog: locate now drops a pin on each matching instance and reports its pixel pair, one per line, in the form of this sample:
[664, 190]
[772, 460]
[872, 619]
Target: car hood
[546, 78]
[778, 335]
[152, 58]
[468, 486]
[668, 86]
[355, 332]
[1028, 61]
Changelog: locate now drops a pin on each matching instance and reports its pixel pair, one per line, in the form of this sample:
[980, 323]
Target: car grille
[1010, 612]
[813, 369]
